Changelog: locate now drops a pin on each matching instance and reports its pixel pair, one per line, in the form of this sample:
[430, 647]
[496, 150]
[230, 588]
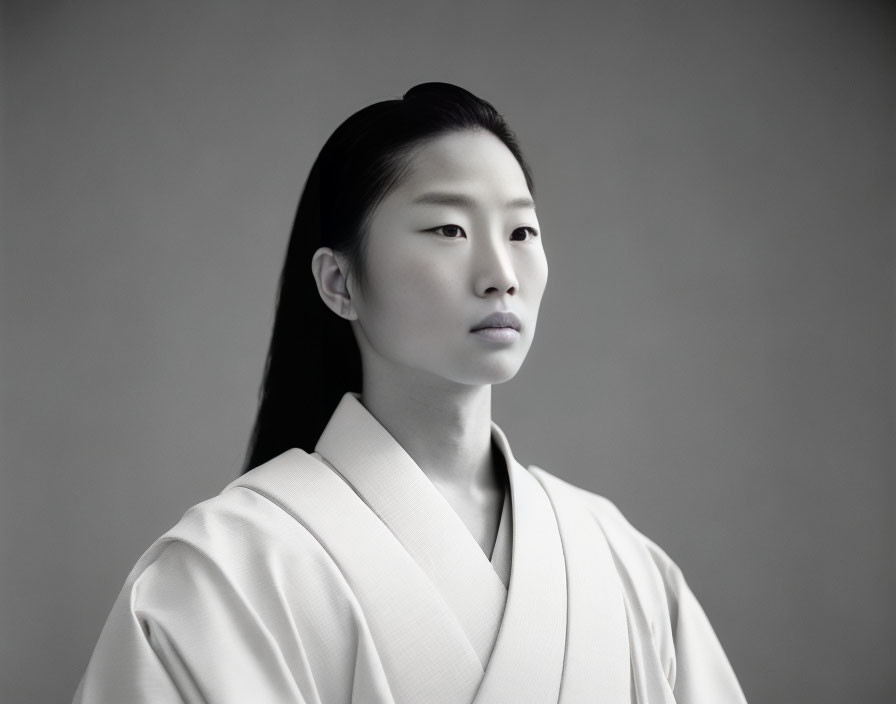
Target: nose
[495, 274]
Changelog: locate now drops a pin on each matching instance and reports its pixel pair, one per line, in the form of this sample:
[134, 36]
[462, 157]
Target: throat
[482, 519]
[481, 510]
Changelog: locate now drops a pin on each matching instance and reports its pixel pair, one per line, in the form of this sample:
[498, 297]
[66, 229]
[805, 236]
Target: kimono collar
[353, 437]
[359, 449]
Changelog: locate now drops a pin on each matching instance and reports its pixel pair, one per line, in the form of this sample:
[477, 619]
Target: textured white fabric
[344, 575]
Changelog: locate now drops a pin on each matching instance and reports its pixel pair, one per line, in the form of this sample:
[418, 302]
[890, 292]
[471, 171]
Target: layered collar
[357, 447]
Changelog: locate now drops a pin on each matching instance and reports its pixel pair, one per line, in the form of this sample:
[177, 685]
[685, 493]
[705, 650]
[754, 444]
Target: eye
[450, 231]
[521, 234]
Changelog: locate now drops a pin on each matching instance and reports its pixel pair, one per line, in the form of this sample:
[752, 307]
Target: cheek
[412, 301]
[536, 273]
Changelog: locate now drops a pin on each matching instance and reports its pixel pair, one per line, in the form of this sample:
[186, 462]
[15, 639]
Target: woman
[387, 546]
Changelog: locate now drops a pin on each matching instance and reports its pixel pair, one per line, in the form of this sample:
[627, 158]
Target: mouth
[503, 320]
[498, 335]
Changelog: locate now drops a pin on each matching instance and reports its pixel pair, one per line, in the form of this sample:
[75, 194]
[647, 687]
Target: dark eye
[450, 231]
[521, 234]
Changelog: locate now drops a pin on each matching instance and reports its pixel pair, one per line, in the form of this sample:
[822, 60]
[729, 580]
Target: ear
[328, 267]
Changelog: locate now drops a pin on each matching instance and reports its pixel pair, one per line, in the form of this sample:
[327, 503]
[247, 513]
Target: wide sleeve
[126, 667]
[182, 631]
[701, 673]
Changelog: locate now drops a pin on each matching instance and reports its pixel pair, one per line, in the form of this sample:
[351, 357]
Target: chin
[497, 372]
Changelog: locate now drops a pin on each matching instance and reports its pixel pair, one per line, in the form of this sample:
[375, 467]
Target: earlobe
[328, 270]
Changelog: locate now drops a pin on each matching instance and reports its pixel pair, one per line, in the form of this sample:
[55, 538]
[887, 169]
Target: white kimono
[344, 575]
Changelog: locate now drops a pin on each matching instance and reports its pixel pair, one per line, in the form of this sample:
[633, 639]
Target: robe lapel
[385, 477]
[527, 662]
[424, 650]
[597, 666]
[447, 628]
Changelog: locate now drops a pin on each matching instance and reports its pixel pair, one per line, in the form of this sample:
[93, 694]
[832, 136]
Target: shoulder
[665, 619]
[617, 528]
[241, 514]
[649, 576]
[240, 538]
[605, 512]
[239, 598]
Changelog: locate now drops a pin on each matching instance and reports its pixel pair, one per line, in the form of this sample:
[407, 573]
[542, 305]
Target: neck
[445, 430]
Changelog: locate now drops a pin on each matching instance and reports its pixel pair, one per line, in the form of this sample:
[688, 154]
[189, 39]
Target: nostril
[494, 289]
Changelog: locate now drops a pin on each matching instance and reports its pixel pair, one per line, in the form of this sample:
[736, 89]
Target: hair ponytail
[313, 357]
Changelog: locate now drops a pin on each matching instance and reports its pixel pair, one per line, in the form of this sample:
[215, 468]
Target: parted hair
[313, 357]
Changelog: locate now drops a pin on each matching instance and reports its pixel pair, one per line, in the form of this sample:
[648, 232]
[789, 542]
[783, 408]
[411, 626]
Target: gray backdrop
[716, 346]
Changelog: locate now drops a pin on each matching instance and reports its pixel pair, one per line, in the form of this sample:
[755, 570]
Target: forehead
[476, 163]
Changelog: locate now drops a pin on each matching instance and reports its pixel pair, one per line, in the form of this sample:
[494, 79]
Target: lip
[501, 319]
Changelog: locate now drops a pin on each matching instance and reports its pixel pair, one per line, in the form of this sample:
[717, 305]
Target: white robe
[344, 575]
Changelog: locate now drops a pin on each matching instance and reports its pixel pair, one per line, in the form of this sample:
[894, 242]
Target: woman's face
[456, 241]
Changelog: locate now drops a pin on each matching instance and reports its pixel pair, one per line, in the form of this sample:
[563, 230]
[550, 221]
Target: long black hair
[313, 359]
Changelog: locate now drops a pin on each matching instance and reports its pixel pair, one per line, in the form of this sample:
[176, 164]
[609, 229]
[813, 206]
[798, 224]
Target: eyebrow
[462, 201]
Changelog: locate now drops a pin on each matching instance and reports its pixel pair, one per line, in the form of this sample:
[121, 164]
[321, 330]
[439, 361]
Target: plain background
[715, 350]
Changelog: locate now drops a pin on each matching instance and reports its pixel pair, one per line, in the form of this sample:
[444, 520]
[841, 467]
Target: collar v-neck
[516, 636]
[394, 487]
